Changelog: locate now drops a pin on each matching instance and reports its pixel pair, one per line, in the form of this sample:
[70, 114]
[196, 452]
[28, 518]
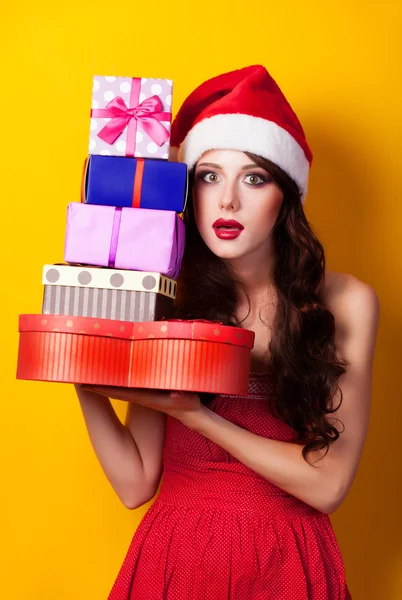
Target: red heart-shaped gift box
[197, 356]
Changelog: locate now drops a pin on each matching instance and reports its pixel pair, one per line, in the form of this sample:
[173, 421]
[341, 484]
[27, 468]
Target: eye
[208, 176]
[254, 179]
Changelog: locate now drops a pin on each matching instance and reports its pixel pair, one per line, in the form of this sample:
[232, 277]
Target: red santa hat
[243, 110]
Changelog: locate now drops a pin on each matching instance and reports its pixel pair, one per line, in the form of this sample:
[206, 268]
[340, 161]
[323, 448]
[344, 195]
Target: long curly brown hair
[303, 357]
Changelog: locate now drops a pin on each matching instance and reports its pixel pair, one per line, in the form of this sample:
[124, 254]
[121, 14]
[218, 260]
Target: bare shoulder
[354, 304]
[342, 291]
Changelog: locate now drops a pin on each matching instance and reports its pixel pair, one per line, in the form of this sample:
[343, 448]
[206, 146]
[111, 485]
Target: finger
[105, 389]
[121, 393]
[181, 394]
[116, 389]
[89, 389]
[100, 390]
[176, 394]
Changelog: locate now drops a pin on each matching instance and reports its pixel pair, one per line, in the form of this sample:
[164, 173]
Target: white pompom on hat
[243, 110]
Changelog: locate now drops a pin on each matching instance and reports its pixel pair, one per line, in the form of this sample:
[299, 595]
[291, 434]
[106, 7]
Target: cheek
[266, 215]
[202, 208]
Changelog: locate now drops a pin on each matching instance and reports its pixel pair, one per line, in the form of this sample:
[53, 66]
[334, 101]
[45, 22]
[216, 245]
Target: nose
[229, 199]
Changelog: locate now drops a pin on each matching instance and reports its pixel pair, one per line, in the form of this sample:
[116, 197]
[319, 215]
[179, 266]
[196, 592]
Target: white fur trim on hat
[247, 134]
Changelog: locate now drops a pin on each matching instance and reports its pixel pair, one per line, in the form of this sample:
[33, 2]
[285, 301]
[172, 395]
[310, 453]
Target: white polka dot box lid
[172, 354]
[131, 116]
[105, 278]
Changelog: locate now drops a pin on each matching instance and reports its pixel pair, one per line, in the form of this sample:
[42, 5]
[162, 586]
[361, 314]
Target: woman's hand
[181, 405]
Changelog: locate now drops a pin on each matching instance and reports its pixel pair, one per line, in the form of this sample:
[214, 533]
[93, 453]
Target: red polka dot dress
[219, 531]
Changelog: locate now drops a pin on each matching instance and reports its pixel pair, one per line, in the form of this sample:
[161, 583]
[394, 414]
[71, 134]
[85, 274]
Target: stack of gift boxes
[106, 314]
[128, 219]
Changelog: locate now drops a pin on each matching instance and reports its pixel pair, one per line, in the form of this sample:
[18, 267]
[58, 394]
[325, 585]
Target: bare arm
[325, 484]
[130, 454]
[148, 428]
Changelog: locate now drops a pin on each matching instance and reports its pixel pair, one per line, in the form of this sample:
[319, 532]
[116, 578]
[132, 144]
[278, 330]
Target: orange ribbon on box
[137, 187]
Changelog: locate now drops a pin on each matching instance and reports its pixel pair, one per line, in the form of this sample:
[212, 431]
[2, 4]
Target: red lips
[227, 229]
[230, 224]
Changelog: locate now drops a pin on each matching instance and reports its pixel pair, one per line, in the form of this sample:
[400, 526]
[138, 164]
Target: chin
[225, 249]
[227, 253]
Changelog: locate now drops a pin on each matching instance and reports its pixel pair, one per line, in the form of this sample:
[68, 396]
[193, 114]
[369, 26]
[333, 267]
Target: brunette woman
[249, 481]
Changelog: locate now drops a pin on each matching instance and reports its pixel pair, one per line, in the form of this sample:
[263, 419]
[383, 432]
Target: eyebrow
[215, 166]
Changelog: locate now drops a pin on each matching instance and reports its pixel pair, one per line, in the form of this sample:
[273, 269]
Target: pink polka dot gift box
[195, 356]
[131, 116]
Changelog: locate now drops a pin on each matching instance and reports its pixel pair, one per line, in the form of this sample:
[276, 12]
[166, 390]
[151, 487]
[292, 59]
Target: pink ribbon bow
[149, 114]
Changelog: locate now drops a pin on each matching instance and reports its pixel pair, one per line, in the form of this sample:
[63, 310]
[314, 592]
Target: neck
[256, 282]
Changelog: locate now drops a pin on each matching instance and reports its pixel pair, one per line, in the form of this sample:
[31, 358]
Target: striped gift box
[107, 293]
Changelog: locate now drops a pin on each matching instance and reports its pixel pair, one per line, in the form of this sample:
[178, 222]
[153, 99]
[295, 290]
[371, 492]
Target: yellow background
[63, 532]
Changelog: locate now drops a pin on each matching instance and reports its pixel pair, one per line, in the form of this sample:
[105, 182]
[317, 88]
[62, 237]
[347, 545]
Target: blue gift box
[135, 182]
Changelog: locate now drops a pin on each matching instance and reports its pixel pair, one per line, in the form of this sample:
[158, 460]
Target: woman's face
[236, 204]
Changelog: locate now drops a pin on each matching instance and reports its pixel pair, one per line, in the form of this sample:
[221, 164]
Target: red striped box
[173, 355]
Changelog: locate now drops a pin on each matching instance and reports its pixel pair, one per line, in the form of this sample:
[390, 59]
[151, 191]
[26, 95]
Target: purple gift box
[139, 239]
[131, 116]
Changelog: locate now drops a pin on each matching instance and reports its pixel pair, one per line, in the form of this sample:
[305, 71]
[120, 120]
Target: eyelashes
[263, 178]
[202, 175]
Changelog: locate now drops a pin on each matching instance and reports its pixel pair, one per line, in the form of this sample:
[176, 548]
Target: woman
[248, 482]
